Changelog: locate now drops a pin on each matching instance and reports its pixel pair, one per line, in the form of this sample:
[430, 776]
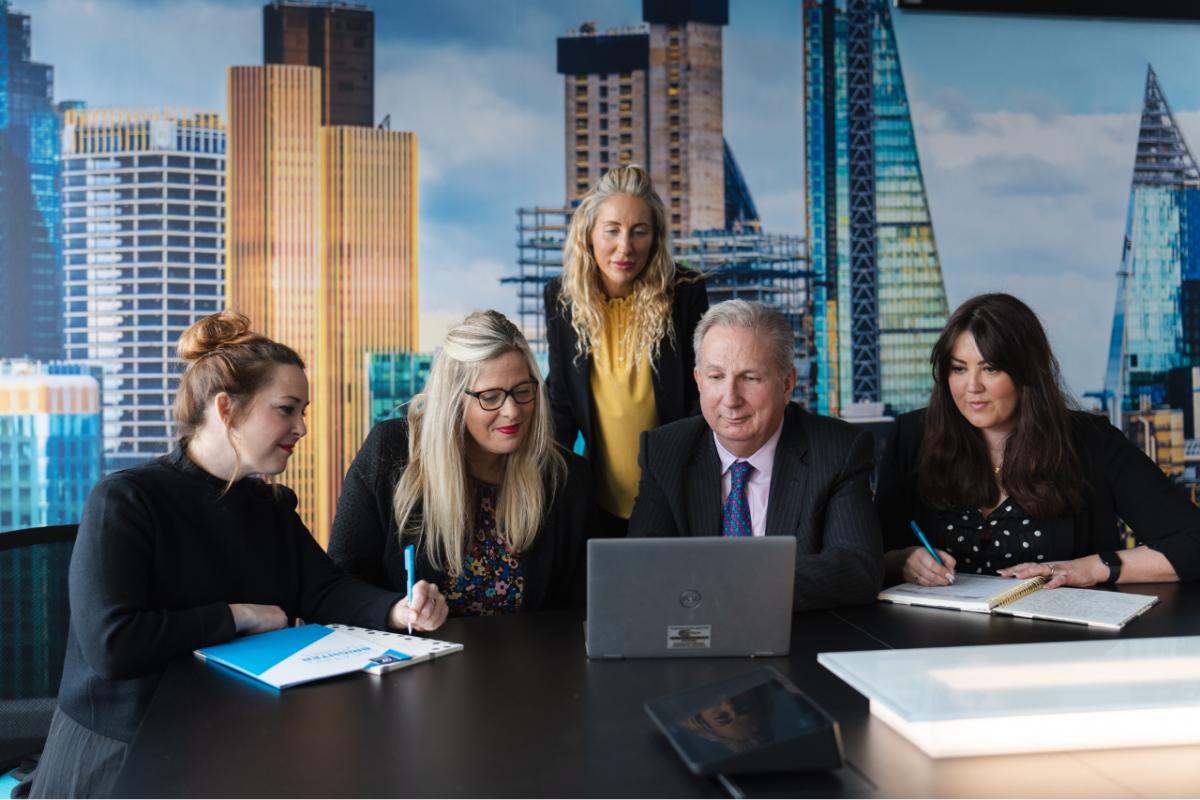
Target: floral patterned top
[492, 579]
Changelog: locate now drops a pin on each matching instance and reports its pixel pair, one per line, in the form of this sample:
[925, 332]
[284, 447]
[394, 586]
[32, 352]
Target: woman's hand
[249, 618]
[1087, 571]
[427, 611]
[920, 568]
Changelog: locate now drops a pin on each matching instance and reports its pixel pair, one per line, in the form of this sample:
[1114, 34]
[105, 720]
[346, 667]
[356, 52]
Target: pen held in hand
[409, 568]
[921, 536]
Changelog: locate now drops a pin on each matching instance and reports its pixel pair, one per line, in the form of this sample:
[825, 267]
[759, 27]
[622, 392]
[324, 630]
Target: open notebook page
[968, 592]
[1084, 606]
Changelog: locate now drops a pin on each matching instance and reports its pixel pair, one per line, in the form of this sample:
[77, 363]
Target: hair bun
[215, 331]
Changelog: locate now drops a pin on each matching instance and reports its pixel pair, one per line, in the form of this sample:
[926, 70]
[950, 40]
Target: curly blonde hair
[582, 293]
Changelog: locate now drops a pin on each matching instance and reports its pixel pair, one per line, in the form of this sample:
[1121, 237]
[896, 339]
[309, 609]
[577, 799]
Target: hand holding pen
[926, 566]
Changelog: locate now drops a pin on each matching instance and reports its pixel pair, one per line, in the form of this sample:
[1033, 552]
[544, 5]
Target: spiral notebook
[990, 594]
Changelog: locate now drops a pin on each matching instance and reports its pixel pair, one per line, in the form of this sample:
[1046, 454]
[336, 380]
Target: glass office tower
[322, 255]
[49, 443]
[879, 302]
[144, 258]
[1156, 321]
[30, 280]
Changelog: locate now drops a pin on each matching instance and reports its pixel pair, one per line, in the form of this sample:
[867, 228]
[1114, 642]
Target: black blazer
[1123, 482]
[365, 540]
[570, 381]
[820, 493]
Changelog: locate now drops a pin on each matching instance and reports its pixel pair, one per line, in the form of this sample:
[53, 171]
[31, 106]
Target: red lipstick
[287, 448]
[508, 430]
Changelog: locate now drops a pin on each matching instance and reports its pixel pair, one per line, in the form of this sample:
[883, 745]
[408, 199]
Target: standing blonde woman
[473, 477]
[619, 323]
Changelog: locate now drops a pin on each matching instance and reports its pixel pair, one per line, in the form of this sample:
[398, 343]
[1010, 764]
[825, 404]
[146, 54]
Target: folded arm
[111, 574]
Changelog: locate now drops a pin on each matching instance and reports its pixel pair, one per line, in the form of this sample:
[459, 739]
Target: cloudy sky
[1026, 128]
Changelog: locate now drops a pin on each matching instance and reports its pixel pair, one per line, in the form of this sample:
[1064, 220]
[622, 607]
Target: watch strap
[1113, 561]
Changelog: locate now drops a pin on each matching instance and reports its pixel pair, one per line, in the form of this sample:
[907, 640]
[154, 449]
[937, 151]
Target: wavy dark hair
[1042, 468]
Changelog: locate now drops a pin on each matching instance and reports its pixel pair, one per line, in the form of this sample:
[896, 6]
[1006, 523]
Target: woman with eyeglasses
[499, 513]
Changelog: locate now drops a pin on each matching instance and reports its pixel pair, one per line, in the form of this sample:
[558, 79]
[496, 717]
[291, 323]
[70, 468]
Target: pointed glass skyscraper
[1156, 322]
[880, 302]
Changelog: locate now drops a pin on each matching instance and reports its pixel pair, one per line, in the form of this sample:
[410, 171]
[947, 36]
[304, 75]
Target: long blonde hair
[434, 499]
[582, 293]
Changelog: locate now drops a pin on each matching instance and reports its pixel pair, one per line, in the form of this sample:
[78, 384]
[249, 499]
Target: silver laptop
[690, 597]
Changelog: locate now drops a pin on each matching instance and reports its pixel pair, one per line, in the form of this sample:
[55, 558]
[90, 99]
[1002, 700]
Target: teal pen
[921, 535]
[410, 567]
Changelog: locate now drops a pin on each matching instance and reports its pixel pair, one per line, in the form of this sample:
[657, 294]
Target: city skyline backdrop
[1026, 129]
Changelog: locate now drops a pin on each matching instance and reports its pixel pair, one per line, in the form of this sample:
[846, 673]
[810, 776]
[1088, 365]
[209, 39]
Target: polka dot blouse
[983, 545]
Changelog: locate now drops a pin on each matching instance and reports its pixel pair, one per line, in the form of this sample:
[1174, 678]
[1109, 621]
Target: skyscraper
[880, 301]
[30, 208]
[322, 255]
[144, 258]
[1156, 321]
[49, 443]
[336, 37]
[652, 96]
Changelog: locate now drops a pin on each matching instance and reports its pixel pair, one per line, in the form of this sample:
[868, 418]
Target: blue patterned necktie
[737, 510]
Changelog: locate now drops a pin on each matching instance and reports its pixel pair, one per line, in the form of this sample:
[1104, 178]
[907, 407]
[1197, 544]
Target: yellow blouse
[624, 401]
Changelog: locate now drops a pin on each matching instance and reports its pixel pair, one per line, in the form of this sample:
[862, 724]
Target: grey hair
[754, 317]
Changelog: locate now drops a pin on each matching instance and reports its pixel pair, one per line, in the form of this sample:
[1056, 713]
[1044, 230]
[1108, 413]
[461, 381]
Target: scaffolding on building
[768, 268]
[541, 234]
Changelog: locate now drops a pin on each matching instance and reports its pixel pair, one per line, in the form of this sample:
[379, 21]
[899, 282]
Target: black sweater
[366, 540]
[1122, 482]
[569, 382]
[159, 558]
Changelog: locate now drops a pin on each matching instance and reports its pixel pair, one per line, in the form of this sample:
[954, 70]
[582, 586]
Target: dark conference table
[522, 712]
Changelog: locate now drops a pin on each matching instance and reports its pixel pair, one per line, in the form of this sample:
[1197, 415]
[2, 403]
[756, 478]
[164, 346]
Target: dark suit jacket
[1123, 482]
[365, 540]
[820, 493]
[570, 383]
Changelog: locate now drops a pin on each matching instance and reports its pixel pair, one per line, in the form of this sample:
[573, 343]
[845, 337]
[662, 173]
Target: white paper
[1108, 609]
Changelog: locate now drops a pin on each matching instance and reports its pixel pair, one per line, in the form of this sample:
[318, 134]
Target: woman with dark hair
[1007, 479]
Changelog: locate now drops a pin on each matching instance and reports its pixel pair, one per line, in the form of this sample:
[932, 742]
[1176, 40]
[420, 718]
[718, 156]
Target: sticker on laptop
[689, 637]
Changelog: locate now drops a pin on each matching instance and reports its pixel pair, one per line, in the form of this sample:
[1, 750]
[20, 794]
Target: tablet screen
[760, 715]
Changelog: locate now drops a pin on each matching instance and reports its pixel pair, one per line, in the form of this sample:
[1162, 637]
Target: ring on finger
[1052, 566]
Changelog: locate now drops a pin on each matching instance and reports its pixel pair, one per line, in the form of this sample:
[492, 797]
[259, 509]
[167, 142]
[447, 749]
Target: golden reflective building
[321, 250]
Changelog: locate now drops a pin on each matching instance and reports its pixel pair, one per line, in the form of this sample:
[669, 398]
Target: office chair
[34, 615]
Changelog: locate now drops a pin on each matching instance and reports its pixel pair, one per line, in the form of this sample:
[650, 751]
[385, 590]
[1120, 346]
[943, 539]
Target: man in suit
[757, 464]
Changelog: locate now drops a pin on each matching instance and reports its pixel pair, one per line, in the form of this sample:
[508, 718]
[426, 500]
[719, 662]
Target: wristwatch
[1113, 561]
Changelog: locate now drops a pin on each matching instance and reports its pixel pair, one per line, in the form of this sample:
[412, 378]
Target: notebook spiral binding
[1017, 592]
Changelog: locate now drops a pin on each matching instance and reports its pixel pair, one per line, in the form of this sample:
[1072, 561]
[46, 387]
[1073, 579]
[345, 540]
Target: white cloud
[122, 53]
[463, 106]
[1034, 203]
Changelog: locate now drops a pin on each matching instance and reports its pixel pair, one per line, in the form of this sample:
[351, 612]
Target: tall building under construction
[879, 300]
[322, 255]
[651, 95]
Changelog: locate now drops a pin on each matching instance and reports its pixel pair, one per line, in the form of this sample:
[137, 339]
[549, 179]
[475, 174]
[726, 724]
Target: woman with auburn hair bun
[1006, 478]
[471, 475]
[619, 324]
[188, 550]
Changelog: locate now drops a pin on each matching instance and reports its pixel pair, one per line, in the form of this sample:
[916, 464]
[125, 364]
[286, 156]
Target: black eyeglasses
[494, 399]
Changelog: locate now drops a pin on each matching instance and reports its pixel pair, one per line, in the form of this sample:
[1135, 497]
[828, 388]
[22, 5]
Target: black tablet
[755, 722]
